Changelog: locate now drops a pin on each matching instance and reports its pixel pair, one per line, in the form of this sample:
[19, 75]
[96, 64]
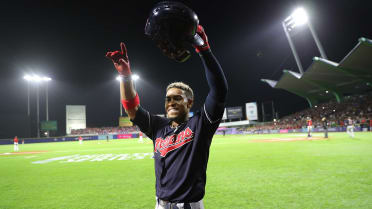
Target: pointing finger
[123, 49]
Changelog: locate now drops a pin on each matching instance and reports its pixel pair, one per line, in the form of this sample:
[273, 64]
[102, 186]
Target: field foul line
[23, 153]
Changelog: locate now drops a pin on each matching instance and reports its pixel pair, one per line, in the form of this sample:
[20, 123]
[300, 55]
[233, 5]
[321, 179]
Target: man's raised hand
[200, 31]
[120, 60]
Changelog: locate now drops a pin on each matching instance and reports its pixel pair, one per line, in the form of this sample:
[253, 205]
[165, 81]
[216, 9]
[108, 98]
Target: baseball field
[245, 171]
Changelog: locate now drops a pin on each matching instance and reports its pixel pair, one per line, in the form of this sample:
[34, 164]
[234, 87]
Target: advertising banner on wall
[124, 136]
[251, 111]
[75, 117]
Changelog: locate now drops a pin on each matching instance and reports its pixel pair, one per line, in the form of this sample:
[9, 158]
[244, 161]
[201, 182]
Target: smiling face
[177, 105]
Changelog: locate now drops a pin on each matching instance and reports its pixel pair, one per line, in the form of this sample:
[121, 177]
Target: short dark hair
[180, 85]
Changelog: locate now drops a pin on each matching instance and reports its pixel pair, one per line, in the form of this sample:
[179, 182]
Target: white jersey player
[350, 127]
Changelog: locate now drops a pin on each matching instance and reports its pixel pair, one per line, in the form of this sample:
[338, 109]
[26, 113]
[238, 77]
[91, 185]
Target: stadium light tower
[46, 79]
[134, 77]
[28, 79]
[297, 18]
[37, 79]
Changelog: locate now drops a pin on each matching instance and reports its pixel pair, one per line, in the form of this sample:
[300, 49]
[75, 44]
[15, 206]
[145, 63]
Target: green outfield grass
[334, 173]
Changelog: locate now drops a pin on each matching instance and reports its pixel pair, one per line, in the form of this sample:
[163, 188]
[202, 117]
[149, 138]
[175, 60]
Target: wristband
[131, 103]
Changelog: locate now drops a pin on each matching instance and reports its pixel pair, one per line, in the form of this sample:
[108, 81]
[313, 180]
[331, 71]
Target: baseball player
[16, 148]
[140, 137]
[325, 127]
[181, 144]
[350, 127]
[80, 140]
[309, 123]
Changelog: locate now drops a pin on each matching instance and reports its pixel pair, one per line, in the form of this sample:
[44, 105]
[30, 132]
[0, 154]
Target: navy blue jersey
[181, 154]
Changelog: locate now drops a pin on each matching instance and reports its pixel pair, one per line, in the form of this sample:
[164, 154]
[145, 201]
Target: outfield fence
[70, 138]
[227, 131]
[278, 131]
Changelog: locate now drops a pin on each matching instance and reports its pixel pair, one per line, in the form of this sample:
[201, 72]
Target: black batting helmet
[173, 26]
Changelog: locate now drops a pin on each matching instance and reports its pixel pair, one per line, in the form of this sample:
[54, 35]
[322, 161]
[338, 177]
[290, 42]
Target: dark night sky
[67, 41]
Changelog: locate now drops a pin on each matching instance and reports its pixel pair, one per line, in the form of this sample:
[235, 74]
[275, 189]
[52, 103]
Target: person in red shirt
[309, 123]
[80, 140]
[16, 144]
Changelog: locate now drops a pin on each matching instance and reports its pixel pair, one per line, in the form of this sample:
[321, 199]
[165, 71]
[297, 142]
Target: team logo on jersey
[172, 142]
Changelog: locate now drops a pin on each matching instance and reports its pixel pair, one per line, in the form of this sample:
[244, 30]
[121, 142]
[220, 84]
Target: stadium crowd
[358, 107]
[104, 130]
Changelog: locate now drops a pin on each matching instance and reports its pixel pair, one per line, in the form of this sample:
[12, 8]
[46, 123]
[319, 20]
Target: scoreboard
[234, 112]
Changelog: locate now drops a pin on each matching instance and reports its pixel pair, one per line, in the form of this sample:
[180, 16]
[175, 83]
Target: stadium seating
[358, 107]
[104, 130]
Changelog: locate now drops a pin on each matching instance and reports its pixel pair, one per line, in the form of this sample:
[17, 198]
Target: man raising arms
[181, 144]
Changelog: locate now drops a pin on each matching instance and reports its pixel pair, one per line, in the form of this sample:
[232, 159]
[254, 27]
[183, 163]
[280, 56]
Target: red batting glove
[200, 31]
[120, 60]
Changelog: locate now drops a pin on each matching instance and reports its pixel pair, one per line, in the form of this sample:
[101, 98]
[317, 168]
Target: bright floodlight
[36, 78]
[27, 78]
[299, 17]
[118, 78]
[135, 77]
[46, 79]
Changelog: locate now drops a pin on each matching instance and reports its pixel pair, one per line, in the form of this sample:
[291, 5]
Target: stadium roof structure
[324, 80]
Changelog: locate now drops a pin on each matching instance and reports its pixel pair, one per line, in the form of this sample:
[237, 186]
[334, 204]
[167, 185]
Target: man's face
[177, 106]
